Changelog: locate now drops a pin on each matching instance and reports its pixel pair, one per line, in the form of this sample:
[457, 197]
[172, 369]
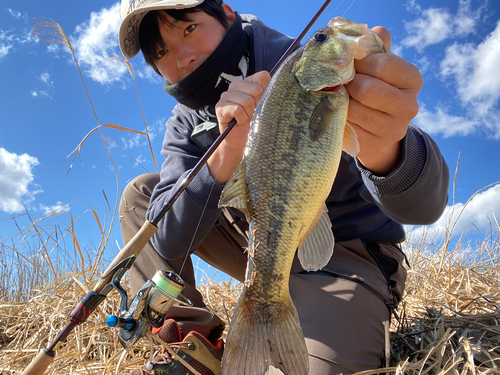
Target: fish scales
[293, 152]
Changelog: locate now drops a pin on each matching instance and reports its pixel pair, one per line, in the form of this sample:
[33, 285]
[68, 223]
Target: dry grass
[449, 321]
[451, 312]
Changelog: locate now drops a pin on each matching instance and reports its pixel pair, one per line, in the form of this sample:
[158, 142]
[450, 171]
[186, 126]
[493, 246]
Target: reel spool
[149, 307]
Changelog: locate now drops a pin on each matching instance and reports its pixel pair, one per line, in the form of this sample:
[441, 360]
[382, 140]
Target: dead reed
[449, 321]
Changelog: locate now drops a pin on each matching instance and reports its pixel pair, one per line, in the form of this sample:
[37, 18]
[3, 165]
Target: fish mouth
[332, 88]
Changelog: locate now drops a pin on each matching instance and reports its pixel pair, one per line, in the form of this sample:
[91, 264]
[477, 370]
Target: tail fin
[256, 341]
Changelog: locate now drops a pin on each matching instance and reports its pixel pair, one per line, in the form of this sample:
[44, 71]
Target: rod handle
[135, 245]
[39, 364]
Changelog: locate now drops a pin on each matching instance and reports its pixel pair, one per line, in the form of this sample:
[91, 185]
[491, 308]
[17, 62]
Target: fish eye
[320, 37]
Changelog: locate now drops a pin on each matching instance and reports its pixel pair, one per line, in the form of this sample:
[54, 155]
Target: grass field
[449, 319]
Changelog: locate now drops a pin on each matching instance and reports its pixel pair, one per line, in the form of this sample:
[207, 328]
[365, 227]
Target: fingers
[385, 35]
[375, 129]
[385, 83]
[239, 103]
[241, 99]
[391, 69]
[382, 96]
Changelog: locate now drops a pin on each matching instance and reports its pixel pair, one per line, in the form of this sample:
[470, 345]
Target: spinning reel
[148, 308]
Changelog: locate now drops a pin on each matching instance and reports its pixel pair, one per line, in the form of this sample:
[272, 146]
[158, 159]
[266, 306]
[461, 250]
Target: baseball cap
[132, 13]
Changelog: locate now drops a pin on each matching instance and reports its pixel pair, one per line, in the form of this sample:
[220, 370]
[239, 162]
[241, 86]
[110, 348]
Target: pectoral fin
[320, 118]
[317, 248]
[235, 193]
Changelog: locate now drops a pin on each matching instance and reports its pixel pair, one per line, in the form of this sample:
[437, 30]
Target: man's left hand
[383, 101]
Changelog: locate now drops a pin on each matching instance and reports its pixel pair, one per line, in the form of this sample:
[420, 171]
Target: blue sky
[45, 112]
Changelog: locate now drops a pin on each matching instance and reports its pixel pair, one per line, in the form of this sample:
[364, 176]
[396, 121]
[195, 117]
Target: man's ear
[230, 14]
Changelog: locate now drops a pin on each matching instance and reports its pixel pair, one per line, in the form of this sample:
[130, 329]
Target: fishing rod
[190, 176]
[167, 284]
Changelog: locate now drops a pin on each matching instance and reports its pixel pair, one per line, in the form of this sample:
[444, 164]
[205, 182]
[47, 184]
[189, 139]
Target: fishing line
[353, 1]
[188, 252]
[332, 13]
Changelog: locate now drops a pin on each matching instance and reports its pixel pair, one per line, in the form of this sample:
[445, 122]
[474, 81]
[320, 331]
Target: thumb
[385, 35]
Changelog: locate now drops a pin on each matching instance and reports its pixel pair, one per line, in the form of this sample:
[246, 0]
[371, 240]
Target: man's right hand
[238, 102]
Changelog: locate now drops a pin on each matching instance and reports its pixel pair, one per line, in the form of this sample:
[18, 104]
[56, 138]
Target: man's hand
[238, 102]
[383, 101]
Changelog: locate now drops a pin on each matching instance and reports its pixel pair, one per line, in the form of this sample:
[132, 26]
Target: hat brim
[129, 28]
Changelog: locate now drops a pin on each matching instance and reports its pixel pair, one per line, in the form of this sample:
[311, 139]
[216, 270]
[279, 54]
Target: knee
[138, 190]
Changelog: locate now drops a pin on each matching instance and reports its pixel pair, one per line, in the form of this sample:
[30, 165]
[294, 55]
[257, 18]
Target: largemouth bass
[293, 152]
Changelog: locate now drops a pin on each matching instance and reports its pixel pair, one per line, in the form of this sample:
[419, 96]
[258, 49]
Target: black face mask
[204, 86]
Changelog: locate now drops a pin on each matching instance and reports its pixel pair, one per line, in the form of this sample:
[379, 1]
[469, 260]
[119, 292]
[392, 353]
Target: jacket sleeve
[416, 192]
[195, 212]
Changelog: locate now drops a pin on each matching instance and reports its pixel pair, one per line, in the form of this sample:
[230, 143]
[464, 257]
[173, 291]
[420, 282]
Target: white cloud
[5, 43]
[157, 129]
[146, 72]
[412, 6]
[9, 40]
[472, 70]
[479, 214]
[440, 121]
[54, 49]
[465, 20]
[133, 141]
[58, 207]
[4, 49]
[96, 41]
[16, 182]
[37, 93]
[435, 25]
[15, 13]
[140, 160]
[475, 69]
[138, 140]
[423, 64]
[45, 77]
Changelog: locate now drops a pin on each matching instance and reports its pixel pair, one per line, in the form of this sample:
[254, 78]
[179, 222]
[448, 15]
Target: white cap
[132, 13]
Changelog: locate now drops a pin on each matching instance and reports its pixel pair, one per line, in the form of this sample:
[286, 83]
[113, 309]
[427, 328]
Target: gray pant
[341, 308]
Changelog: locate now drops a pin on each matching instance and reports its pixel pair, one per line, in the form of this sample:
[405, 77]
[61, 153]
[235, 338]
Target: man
[215, 63]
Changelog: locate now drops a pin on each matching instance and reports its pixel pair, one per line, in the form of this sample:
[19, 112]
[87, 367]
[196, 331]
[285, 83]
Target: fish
[295, 142]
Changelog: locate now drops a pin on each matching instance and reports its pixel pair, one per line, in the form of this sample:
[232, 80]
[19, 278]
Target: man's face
[188, 43]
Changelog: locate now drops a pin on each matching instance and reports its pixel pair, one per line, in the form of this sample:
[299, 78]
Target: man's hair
[149, 31]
